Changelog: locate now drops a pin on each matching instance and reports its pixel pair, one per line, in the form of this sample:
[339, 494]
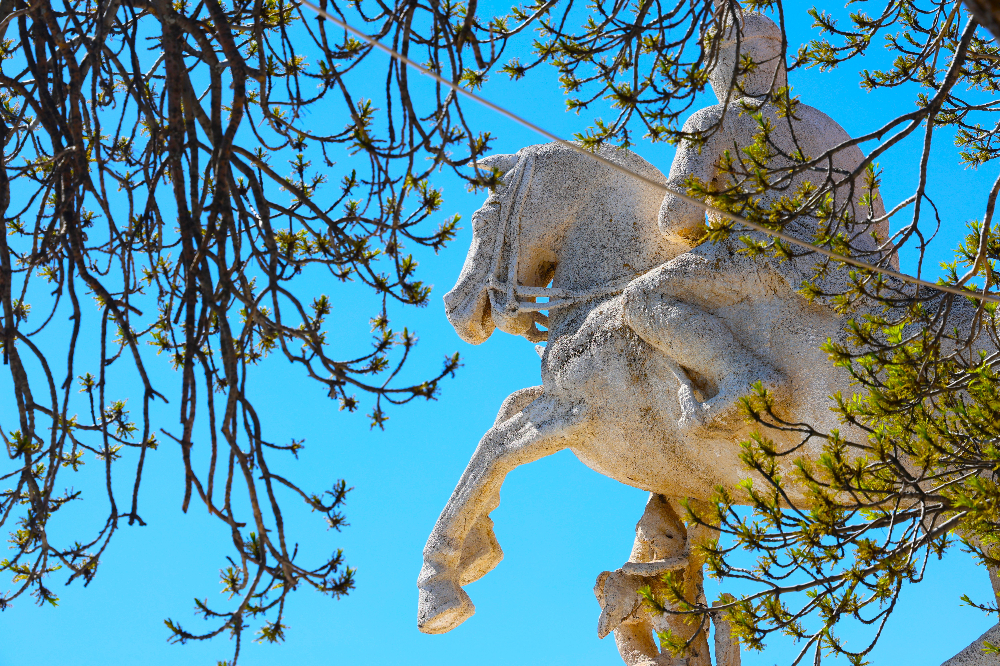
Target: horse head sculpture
[557, 217]
[615, 400]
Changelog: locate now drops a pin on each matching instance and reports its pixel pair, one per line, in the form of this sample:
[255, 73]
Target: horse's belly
[636, 456]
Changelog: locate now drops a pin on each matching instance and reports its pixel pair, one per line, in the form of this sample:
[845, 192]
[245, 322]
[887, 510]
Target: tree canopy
[143, 148]
[166, 162]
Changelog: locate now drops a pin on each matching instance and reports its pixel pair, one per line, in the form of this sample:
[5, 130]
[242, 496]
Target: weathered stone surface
[649, 342]
[727, 647]
[974, 654]
[662, 543]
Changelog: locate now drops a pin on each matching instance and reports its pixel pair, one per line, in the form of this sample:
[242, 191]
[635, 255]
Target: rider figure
[668, 307]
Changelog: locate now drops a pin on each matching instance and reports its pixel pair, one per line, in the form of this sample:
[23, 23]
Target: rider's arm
[677, 217]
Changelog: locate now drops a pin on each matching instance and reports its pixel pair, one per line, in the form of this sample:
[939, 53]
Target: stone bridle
[520, 299]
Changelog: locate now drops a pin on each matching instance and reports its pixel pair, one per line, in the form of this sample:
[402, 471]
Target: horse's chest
[590, 349]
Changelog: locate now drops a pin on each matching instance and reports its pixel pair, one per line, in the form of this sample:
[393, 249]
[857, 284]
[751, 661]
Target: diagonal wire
[649, 181]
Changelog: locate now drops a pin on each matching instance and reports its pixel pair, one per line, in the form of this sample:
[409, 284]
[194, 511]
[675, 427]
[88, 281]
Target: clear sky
[560, 523]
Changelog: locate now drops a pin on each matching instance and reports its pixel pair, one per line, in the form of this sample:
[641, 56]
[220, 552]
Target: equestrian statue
[651, 337]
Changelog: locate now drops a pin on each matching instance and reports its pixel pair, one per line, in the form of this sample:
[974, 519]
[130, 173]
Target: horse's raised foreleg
[481, 552]
[461, 546]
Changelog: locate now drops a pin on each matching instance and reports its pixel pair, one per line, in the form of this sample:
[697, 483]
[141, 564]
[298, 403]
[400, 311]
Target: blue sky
[560, 524]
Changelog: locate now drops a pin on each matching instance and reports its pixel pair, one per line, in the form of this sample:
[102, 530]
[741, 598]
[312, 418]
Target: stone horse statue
[611, 398]
[650, 340]
[606, 394]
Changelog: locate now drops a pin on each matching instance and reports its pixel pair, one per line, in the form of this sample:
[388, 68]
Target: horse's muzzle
[470, 314]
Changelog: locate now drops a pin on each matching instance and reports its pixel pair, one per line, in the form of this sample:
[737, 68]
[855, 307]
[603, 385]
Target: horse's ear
[501, 162]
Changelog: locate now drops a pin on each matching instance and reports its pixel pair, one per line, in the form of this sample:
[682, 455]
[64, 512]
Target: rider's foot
[442, 605]
[724, 410]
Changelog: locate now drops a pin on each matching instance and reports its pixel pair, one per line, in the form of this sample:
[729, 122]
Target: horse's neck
[595, 255]
[568, 320]
[583, 273]
[604, 234]
[606, 247]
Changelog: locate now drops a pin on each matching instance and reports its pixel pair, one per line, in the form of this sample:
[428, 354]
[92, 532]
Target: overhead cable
[649, 181]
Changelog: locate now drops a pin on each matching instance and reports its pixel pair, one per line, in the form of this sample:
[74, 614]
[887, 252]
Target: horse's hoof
[442, 606]
[617, 594]
[481, 552]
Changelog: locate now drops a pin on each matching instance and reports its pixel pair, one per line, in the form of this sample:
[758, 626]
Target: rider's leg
[667, 308]
[541, 428]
